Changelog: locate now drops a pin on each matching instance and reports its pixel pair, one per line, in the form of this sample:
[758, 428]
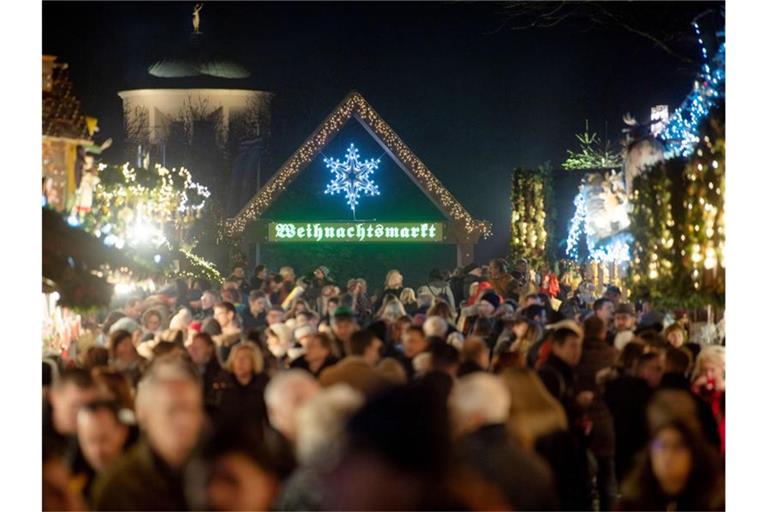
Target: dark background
[473, 101]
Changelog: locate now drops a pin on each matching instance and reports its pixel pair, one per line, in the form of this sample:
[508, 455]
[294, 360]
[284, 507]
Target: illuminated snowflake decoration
[352, 177]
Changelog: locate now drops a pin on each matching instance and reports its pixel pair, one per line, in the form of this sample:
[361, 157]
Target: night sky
[472, 101]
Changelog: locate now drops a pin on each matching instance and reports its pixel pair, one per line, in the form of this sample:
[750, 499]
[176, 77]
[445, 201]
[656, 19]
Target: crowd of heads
[489, 387]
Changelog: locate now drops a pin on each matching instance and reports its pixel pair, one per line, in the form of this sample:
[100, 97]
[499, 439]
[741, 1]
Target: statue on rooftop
[196, 17]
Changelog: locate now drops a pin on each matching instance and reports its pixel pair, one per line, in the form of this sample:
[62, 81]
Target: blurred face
[343, 328]
[237, 483]
[300, 307]
[275, 346]
[530, 301]
[199, 350]
[288, 274]
[712, 371]
[652, 372]
[223, 316]
[493, 268]
[676, 338]
[395, 280]
[239, 273]
[520, 329]
[242, 364]
[101, 438]
[372, 353]
[134, 310]
[624, 322]
[173, 419]
[671, 460]
[605, 313]
[66, 402]
[125, 350]
[570, 351]
[315, 351]
[152, 323]
[206, 301]
[319, 274]
[485, 308]
[275, 286]
[414, 343]
[258, 306]
[275, 317]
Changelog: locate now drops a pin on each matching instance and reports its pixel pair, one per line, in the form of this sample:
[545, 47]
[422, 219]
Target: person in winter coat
[472, 274]
[597, 355]
[557, 375]
[320, 279]
[393, 285]
[242, 388]
[438, 288]
[678, 470]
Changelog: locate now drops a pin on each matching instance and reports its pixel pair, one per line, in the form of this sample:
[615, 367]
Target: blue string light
[680, 135]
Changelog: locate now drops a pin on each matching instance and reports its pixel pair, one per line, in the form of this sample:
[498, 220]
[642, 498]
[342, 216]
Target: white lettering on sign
[355, 232]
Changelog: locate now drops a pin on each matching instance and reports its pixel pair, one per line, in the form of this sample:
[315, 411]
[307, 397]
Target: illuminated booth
[355, 196]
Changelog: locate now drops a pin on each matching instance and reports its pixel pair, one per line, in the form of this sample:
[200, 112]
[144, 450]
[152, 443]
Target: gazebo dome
[181, 68]
[195, 61]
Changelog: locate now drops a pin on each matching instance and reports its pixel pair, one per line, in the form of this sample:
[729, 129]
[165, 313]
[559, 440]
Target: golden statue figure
[196, 17]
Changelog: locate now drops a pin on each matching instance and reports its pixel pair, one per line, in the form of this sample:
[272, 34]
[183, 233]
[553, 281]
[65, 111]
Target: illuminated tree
[592, 153]
[528, 229]
[149, 213]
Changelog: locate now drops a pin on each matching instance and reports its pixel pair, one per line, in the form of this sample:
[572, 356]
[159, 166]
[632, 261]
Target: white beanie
[304, 330]
[283, 332]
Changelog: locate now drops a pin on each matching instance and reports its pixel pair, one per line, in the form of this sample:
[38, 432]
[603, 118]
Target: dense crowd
[494, 387]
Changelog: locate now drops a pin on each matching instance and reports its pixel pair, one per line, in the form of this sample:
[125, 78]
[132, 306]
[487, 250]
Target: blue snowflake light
[352, 177]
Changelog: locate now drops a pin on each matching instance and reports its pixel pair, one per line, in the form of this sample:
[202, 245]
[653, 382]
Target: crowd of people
[493, 387]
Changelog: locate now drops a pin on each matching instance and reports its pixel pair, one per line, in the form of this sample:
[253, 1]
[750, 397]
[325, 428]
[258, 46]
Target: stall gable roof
[355, 106]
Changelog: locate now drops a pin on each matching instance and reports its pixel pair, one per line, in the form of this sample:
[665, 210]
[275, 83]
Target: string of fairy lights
[355, 104]
[528, 230]
[680, 135]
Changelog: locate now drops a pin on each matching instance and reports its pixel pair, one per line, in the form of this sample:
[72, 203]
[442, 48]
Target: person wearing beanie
[624, 319]
[343, 325]
[493, 299]
[130, 325]
[319, 280]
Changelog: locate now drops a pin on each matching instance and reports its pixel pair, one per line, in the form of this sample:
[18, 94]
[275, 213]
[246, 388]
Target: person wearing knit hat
[492, 299]
[343, 325]
[301, 333]
[128, 324]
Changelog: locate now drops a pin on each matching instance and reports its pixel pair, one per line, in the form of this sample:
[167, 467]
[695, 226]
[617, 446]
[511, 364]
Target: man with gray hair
[169, 410]
[486, 450]
[319, 440]
[284, 394]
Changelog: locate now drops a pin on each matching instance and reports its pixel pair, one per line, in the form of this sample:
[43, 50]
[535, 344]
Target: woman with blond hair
[393, 285]
[708, 380]
[391, 311]
[408, 298]
[540, 424]
[242, 386]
